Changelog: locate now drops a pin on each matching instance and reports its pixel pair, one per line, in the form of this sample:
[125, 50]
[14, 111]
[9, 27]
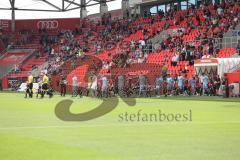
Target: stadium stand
[131, 45]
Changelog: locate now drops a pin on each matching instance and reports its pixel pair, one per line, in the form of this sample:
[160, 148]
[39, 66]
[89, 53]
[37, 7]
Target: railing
[27, 46]
[3, 53]
[226, 42]
[235, 68]
[235, 33]
[18, 74]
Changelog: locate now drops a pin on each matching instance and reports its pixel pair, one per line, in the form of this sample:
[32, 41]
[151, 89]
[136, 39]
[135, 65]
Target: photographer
[225, 88]
[63, 85]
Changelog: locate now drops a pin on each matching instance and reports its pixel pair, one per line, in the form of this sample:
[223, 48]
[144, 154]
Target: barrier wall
[233, 77]
[4, 83]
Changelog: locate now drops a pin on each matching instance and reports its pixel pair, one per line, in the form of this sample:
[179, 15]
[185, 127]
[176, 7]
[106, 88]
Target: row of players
[138, 85]
[135, 86]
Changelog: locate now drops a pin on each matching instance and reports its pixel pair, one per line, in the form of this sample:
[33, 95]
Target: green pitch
[29, 130]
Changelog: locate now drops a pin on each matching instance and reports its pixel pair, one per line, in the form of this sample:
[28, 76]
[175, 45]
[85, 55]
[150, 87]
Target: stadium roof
[51, 8]
[52, 5]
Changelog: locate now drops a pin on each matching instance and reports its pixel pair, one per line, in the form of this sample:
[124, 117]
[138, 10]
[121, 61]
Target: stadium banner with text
[206, 62]
[48, 24]
[36, 24]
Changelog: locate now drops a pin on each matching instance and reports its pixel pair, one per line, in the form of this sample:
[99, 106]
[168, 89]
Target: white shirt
[142, 42]
[52, 52]
[205, 56]
[94, 83]
[44, 71]
[104, 81]
[74, 81]
[175, 58]
[235, 19]
[219, 11]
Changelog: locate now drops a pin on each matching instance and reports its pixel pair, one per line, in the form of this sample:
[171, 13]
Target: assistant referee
[45, 81]
[29, 86]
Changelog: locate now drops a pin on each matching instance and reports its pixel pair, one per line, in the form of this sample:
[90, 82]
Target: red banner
[4, 82]
[35, 24]
[48, 24]
[233, 77]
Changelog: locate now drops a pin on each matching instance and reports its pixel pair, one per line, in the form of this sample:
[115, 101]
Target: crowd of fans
[4, 40]
[216, 20]
[210, 21]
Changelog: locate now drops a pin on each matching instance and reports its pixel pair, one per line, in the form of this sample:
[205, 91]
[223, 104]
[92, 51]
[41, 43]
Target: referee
[45, 81]
[29, 86]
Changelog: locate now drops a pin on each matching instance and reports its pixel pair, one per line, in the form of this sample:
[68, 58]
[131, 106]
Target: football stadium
[120, 80]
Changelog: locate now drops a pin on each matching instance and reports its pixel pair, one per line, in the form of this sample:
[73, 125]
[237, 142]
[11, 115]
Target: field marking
[125, 124]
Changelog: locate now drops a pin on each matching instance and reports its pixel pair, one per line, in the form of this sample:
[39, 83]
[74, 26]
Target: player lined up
[139, 85]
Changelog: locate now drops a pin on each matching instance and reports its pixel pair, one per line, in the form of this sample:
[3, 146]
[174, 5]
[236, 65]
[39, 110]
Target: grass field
[29, 130]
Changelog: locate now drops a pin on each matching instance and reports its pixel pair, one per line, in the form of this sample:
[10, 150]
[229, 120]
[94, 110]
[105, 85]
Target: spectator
[164, 70]
[205, 56]
[238, 47]
[142, 45]
[16, 68]
[219, 11]
[95, 48]
[175, 59]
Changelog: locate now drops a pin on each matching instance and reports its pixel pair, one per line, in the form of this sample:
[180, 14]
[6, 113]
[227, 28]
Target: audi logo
[48, 24]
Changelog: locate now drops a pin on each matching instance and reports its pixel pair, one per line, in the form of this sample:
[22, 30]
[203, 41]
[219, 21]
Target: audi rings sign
[48, 24]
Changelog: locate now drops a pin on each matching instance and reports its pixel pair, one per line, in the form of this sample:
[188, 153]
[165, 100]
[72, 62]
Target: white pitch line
[125, 124]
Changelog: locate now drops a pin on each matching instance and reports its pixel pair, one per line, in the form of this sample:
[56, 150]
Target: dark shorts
[45, 86]
[30, 85]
